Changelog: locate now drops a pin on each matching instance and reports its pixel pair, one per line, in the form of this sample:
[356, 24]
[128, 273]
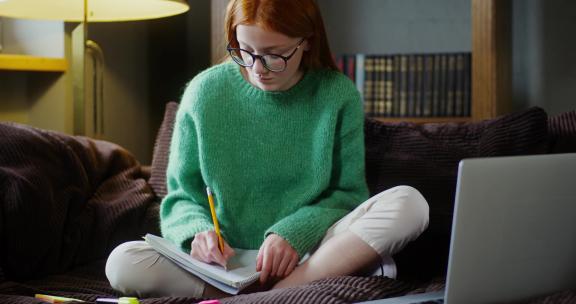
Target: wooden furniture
[491, 58]
[491, 63]
[32, 63]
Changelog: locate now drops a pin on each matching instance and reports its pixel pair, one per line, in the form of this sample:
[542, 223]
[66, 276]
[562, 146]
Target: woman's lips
[262, 79]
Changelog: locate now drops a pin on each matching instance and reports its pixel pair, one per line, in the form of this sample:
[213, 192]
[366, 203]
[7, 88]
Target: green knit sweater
[289, 162]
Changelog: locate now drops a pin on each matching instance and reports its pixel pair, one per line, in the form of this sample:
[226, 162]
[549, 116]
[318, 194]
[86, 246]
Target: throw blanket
[66, 201]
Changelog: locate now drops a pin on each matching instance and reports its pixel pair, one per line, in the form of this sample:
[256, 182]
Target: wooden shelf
[32, 63]
[421, 120]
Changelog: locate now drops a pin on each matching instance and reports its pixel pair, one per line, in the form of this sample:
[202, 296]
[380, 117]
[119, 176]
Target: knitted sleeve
[184, 211]
[307, 226]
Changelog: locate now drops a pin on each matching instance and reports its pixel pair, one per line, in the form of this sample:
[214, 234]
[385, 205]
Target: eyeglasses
[272, 62]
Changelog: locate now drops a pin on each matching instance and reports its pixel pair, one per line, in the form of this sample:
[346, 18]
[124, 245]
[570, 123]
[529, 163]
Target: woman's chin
[266, 85]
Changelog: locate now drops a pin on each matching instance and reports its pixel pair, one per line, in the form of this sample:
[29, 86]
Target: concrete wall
[544, 54]
[33, 37]
[397, 26]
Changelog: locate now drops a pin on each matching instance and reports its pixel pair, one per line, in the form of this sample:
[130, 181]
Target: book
[388, 85]
[450, 85]
[418, 87]
[360, 74]
[427, 86]
[436, 73]
[241, 267]
[379, 102]
[368, 85]
[403, 85]
[411, 85]
[466, 95]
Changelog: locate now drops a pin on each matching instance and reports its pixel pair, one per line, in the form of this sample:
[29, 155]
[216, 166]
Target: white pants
[386, 222]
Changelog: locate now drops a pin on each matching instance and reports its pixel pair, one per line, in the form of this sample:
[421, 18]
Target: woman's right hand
[205, 248]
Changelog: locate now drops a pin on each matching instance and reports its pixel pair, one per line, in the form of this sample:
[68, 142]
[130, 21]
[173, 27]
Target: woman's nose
[259, 67]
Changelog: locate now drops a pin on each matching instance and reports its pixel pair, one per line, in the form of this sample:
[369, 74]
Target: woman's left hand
[276, 258]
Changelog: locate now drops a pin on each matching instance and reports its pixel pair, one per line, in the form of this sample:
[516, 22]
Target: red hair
[294, 18]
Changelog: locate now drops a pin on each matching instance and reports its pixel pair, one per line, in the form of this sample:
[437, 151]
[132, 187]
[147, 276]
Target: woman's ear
[307, 45]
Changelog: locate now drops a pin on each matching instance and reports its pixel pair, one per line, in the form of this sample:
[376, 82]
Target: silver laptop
[513, 231]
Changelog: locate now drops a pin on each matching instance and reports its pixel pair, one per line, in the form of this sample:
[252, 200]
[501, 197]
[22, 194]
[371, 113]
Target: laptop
[513, 231]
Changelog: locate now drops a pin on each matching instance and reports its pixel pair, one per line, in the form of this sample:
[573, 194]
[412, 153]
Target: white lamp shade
[98, 10]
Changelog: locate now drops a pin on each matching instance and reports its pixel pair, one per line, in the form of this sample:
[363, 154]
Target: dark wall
[397, 26]
[178, 48]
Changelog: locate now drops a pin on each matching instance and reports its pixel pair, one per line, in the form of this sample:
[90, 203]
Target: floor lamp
[85, 12]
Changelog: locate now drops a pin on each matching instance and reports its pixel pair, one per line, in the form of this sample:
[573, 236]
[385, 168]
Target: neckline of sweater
[251, 90]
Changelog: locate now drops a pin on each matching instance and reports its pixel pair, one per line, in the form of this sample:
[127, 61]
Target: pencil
[215, 220]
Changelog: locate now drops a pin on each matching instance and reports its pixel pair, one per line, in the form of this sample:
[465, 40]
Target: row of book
[411, 85]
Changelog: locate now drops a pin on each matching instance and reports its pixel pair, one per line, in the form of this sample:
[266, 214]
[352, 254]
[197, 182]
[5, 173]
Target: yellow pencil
[215, 220]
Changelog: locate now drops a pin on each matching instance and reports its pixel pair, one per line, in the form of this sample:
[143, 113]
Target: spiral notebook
[241, 267]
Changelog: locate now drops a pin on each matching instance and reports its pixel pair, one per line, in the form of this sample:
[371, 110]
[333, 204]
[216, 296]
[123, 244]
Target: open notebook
[241, 267]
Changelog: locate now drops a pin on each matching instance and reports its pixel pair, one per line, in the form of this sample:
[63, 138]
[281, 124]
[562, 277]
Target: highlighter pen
[215, 220]
[55, 299]
[122, 300]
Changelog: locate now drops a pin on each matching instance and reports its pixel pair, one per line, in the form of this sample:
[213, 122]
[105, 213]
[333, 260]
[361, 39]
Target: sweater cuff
[303, 237]
[183, 236]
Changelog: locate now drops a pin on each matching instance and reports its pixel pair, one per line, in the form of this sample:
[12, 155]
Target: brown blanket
[65, 201]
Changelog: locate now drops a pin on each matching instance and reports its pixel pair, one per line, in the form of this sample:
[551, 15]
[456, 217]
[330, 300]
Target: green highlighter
[123, 300]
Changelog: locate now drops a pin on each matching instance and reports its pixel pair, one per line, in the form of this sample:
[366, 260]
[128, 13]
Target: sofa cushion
[423, 156]
[426, 157]
[562, 132]
[161, 150]
[66, 201]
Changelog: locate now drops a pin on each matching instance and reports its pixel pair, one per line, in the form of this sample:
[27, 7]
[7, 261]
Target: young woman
[277, 133]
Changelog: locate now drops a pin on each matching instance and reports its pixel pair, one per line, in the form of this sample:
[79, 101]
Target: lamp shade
[98, 10]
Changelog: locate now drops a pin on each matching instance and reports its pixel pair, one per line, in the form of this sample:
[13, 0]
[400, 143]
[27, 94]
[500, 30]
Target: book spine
[467, 85]
[396, 85]
[360, 74]
[388, 86]
[435, 84]
[427, 85]
[450, 85]
[411, 86]
[443, 89]
[403, 84]
[380, 103]
[458, 86]
[419, 89]
[368, 85]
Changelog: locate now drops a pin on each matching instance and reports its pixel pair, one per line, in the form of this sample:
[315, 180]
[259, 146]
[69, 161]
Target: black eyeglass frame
[261, 57]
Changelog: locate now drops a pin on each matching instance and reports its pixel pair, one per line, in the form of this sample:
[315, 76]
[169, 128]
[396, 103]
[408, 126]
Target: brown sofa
[66, 202]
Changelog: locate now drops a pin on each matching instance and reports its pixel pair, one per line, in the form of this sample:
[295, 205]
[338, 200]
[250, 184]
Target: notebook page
[241, 268]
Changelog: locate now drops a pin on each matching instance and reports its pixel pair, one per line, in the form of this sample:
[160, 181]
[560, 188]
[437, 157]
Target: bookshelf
[32, 63]
[491, 64]
[491, 58]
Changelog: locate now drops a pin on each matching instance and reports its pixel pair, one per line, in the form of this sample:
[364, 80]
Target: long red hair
[294, 18]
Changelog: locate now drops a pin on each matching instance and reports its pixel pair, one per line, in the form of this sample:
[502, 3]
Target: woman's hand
[276, 258]
[205, 248]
